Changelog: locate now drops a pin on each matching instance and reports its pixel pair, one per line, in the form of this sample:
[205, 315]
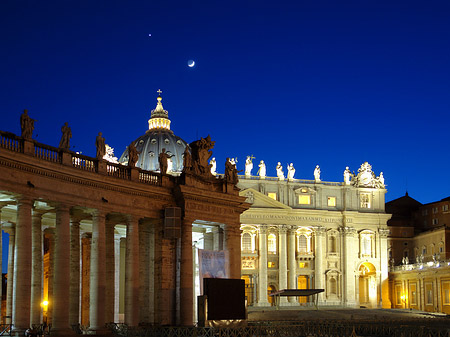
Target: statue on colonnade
[65, 138]
[280, 173]
[100, 145]
[317, 174]
[213, 164]
[201, 152]
[249, 166]
[133, 155]
[262, 170]
[163, 161]
[26, 125]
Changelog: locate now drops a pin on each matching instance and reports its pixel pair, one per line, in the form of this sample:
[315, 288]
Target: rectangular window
[446, 292]
[272, 195]
[365, 200]
[435, 221]
[304, 199]
[424, 212]
[412, 294]
[271, 264]
[398, 294]
[303, 265]
[429, 293]
[445, 208]
[331, 201]
[435, 210]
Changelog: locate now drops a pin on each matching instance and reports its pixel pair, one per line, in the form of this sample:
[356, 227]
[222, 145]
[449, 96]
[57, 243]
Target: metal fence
[417, 328]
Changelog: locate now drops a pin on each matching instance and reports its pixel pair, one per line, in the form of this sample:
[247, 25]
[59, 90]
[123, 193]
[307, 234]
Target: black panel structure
[226, 298]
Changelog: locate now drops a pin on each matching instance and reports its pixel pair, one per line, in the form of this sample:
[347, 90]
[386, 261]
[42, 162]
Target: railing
[297, 181]
[147, 177]
[420, 266]
[417, 328]
[84, 162]
[46, 152]
[10, 141]
[5, 329]
[118, 171]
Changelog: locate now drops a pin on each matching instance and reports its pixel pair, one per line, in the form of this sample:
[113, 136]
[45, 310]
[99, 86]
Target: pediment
[259, 200]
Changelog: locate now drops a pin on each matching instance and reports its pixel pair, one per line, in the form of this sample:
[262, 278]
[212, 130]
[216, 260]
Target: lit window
[446, 292]
[302, 265]
[424, 251]
[246, 242]
[272, 243]
[304, 199]
[365, 200]
[331, 201]
[302, 244]
[271, 264]
[445, 208]
[272, 195]
[435, 221]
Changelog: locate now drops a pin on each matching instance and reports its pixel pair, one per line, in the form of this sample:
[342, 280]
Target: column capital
[283, 229]
[23, 200]
[348, 231]
[263, 229]
[319, 230]
[384, 232]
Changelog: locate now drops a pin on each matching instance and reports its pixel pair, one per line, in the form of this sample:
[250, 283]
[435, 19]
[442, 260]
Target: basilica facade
[305, 234]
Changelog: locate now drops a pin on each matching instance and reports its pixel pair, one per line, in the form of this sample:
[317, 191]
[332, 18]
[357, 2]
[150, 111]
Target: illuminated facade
[301, 234]
[107, 242]
[419, 254]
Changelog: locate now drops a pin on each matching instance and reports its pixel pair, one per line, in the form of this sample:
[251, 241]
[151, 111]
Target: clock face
[365, 178]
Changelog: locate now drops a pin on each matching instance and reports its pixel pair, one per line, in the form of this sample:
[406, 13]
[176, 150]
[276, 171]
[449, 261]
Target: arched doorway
[271, 289]
[367, 285]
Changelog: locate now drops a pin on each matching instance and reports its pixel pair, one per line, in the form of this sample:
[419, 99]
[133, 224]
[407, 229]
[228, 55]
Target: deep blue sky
[333, 83]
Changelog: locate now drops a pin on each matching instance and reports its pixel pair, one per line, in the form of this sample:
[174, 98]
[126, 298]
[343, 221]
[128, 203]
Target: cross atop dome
[159, 117]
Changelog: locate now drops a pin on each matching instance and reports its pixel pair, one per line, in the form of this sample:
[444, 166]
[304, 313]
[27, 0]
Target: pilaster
[282, 270]
[262, 281]
[233, 245]
[186, 275]
[292, 263]
[319, 260]
[132, 272]
[36, 268]
[74, 303]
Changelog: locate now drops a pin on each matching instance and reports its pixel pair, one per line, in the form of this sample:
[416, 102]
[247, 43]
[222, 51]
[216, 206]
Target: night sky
[333, 83]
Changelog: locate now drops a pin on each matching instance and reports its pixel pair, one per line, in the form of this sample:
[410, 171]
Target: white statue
[291, 172]
[213, 164]
[280, 173]
[262, 170]
[317, 174]
[109, 154]
[169, 165]
[249, 166]
[381, 179]
[347, 175]
[233, 161]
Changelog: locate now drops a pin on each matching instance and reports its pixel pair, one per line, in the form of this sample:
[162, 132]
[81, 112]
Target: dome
[158, 137]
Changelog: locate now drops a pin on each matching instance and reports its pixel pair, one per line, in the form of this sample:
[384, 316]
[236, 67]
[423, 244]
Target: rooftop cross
[159, 92]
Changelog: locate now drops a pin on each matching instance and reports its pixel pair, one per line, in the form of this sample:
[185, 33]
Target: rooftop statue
[213, 165]
[26, 125]
[249, 166]
[100, 145]
[291, 171]
[280, 173]
[366, 177]
[65, 138]
[347, 176]
[262, 170]
[231, 173]
[163, 159]
[201, 152]
[317, 174]
[187, 160]
[109, 155]
[133, 155]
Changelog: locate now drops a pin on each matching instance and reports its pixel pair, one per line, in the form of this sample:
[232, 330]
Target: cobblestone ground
[326, 313]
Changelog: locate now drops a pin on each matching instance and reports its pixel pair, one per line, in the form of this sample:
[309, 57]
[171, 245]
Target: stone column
[10, 229]
[36, 267]
[116, 277]
[292, 263]
[348, 286]
[233, 245]
[97, 278]
[74, 302]
[218, 238]
[110, 273]
[186, 275]
[60, 323]
[50, 233]
[22, 268]
[282, 260]
[319, 260]
[262, 277]
[85, 277]
[132, 272]
[144, 272]
[384, 272]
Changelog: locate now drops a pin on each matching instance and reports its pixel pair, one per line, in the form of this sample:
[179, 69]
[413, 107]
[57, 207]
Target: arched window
[302, 244]
[246, 244]
[272, 243]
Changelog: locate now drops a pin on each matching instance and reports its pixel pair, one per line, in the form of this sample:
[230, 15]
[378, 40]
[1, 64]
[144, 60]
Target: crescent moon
[191, 63]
